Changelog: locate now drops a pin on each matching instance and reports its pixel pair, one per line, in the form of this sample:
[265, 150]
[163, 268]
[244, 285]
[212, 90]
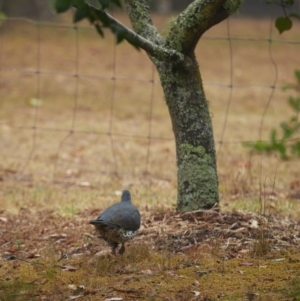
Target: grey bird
[118, 223]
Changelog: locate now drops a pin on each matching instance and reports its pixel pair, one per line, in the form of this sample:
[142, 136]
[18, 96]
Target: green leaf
[287, 131]
[62, 5]
[262, 146]
[288, 2]
[101, 15]
[99, 30]
[273, 135]
[80, 14]
[118, 3]
[259, 146]
[295, 103]
[282, 150]
[283, 24]
[296, 148]
[288, 142]
[104, 3]
[287, 87]
[297, 74]
[78, 3]
[119, 33]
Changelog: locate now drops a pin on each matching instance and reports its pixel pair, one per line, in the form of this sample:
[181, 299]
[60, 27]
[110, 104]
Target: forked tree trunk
[192, 127]
[174, 57]
[175, 61]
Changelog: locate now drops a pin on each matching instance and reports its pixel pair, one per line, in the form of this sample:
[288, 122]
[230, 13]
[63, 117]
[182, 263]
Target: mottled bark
[196, 159]
[182, 84]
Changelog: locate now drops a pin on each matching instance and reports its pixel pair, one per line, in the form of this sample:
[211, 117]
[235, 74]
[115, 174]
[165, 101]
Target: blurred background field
[81, 117]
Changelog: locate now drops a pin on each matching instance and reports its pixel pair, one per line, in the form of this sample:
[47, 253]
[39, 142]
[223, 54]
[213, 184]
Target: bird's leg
[122, 250]
[114, 246]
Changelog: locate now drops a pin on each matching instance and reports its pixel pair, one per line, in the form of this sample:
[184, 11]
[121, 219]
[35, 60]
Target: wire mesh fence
[80, 110]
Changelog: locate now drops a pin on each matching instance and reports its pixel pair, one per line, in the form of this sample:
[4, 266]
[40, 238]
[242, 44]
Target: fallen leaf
[196, 293]
[253, 224]
[170, 273]
[3, 219]
[75, 297]
[72, 287]
[147, 272]
[68, 268]
[238, 230]
[56, 236]
[118, 192]
[44, 281]
[103, 252]
[243, 251]
[32, 255]
[278, 259]
[114, 299]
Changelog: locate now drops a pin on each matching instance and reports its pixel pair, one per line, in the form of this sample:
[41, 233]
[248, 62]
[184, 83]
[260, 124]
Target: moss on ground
[143, 274]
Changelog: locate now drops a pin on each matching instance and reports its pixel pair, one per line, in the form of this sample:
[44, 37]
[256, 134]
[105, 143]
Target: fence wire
[94, 128]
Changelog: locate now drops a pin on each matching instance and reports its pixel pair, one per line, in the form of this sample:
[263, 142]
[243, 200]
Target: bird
[118, 223]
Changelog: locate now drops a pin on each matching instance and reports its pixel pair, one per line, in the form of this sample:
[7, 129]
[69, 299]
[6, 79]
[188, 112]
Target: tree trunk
[174, 57]
[180, 77]
[192, 127]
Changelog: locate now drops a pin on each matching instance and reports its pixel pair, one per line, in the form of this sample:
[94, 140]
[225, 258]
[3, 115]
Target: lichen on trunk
[197, 179]
[192, 127]
[182, 84]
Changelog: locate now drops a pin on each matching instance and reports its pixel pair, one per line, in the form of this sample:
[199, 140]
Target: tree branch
[152, 49]
[138, 12]
[197, 18]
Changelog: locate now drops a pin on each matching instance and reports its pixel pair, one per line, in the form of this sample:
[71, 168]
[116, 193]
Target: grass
[67, 156]
[147, 275]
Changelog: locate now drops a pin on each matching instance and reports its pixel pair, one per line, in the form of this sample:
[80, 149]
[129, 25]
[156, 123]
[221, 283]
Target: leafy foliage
[284, 23]
[288, 144]
[94, 12]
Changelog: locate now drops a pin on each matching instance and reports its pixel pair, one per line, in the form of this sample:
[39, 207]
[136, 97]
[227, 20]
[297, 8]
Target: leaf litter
[183, 248]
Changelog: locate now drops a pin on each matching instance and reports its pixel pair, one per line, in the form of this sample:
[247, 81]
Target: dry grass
[54, 175]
